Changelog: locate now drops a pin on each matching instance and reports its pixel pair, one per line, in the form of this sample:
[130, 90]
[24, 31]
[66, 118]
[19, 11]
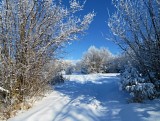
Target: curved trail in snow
[94, 97]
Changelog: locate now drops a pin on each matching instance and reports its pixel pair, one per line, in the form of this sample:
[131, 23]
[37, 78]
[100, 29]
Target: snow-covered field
[93, 97]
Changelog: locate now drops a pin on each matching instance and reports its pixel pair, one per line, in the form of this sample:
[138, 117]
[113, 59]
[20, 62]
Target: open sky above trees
[33, 34]
[98, 30]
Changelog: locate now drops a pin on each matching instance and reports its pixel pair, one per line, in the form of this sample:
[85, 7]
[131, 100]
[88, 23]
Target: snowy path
[90, 98]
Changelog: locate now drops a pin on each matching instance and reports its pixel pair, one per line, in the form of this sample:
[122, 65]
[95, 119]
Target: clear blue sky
[97, 32]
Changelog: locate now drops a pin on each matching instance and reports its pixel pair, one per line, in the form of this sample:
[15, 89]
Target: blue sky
[97, 32]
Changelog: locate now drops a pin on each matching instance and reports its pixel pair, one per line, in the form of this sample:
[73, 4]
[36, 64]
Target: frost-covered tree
[95, 60]
[136, 27]
[31, 31]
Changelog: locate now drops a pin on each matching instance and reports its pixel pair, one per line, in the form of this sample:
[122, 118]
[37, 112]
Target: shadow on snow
[106, 92]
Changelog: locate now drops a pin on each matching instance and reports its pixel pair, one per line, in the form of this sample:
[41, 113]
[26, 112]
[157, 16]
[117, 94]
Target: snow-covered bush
[52, 71]
[68, 66]
[70, 69]
[139, 87]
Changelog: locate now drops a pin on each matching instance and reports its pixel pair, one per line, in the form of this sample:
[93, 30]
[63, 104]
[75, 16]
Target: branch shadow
[105, 90]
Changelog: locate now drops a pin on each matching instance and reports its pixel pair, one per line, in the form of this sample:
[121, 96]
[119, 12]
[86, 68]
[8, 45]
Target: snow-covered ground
[93, 97]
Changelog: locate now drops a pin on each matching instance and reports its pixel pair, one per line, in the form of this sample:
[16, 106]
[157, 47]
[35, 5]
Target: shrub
[139, 87]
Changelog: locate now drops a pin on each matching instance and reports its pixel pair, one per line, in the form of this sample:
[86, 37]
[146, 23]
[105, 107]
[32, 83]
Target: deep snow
[94, 97]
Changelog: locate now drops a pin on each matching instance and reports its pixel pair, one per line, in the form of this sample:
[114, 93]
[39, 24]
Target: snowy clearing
[94, 97]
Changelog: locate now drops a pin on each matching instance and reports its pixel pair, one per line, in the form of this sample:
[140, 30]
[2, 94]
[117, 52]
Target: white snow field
[94, 97]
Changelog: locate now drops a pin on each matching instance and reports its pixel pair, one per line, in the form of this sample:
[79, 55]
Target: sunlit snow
[93, 97]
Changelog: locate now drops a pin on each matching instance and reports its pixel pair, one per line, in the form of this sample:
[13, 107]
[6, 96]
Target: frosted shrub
[138, 87]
